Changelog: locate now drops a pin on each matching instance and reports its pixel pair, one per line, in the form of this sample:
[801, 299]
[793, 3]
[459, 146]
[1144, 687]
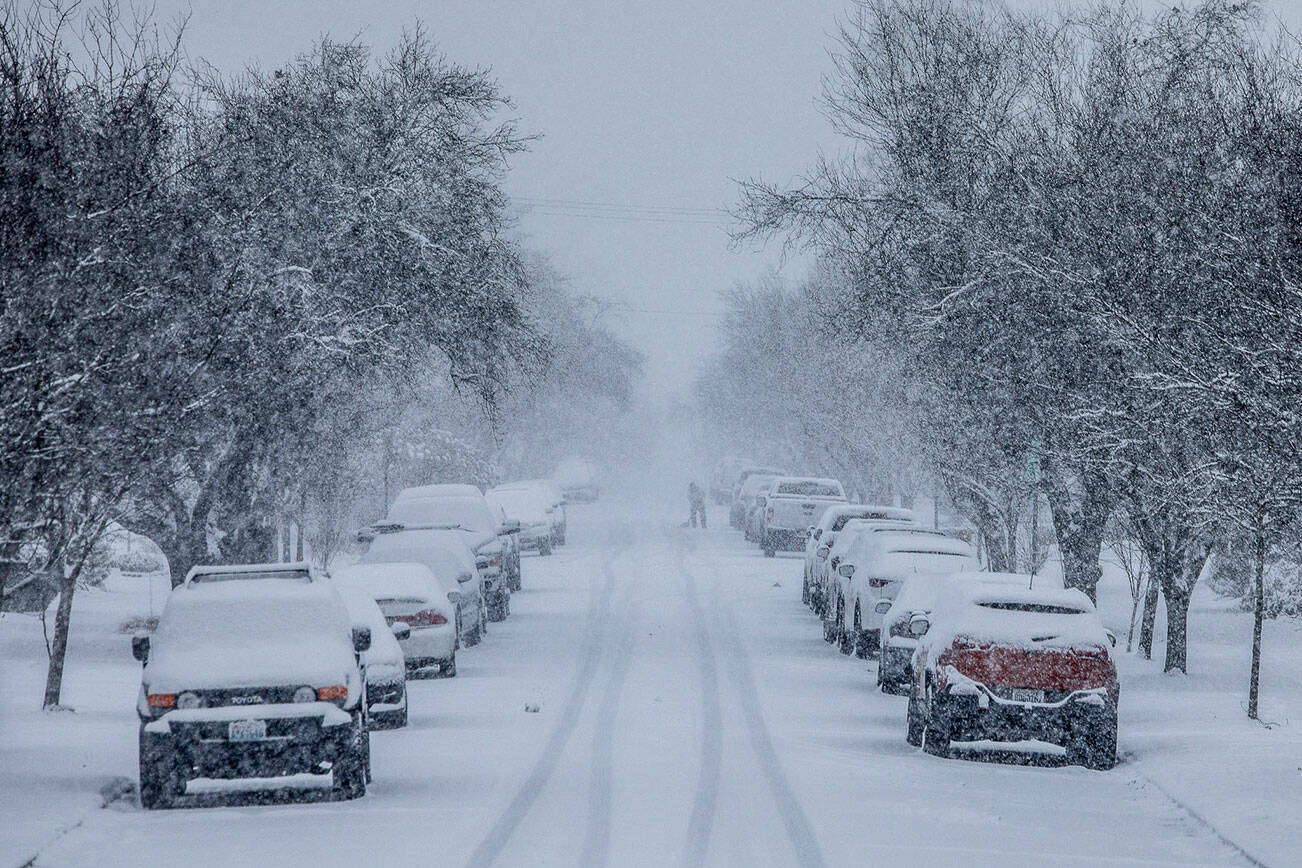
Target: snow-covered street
[687, 712]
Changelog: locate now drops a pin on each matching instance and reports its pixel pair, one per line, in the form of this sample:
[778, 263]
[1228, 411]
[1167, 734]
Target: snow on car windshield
[472, 513]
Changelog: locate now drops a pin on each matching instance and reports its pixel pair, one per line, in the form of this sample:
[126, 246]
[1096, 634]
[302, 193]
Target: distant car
[821, 536]
[856, 534]
[464, 508]
[408, 593]
[446, 554]
[551, 495]
[917, 596]
[577, 480]
[791, 505]
[872, 572]
[252, 672]
[1006, 663]
[748, 491]
[382, 664]
[528, 507]
[725, 476]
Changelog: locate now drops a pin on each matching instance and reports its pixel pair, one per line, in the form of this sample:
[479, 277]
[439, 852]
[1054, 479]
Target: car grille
[248, 696]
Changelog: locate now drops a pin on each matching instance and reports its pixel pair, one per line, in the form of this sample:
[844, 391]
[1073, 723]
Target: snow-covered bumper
[429, 646]
[250, 741]
[970, 711]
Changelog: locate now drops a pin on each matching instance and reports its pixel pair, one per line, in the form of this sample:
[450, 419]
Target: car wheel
[770, 547]
[476, 634]
[500, 607]
[160, 779]
[914, 727]
[860, 637]
[1095, 747]
[829, 633]
[350, 770]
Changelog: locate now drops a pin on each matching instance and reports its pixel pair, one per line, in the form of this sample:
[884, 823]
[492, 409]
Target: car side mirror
[454, 597]
[919, 625]
[882, 607]
[464, 577]
[140, 648]
[511, 525]
[1112, 637]
[846, 570]
[361, 639]
[401, 630]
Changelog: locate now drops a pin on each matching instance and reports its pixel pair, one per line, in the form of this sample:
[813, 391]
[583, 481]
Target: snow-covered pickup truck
[792, 504]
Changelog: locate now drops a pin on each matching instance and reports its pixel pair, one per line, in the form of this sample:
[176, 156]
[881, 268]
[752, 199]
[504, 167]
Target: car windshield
[1038, 608]
[297, 575]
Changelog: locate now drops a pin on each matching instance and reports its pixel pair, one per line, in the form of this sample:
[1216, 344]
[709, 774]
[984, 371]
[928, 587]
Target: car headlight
[305, 694]
[189, 699]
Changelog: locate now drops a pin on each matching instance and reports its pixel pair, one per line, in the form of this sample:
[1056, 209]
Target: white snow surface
[688, 712]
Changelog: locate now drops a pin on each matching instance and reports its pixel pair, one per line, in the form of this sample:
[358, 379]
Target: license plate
[1022, 694]
[247, 730]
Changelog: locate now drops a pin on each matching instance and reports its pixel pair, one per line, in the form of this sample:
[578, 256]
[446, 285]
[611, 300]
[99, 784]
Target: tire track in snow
[799, 830]
[500, 834]
[596, 839]
[1206, 824]
[701, 821]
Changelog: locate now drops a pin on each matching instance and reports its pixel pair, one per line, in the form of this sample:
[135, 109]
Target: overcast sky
[648, 111]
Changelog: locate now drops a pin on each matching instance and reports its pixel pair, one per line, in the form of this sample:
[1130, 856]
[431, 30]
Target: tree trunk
[62, 622]
[1134, 613]
[1079, 519]
[1177, 629]
[1258, 612]
[1149, 619]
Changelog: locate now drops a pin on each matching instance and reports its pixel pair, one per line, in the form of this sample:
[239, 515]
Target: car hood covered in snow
[251, 634]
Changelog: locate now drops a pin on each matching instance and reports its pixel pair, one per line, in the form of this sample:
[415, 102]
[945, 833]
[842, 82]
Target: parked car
[725, 477]
[1007, 663]
[743, 501]
[446, 554]
[577, 480]
[917, 596]
[551, 495]
[822, 534]
[465, 509]
[857, 532]
[528, 507]
[791, 505]
[383, 666]
[253, 671]
[409, 594]
[872, 571]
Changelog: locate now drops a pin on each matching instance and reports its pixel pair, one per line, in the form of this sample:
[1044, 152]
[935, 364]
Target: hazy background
[648, 112]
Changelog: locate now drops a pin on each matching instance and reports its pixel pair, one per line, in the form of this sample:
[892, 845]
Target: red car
[1004, 663]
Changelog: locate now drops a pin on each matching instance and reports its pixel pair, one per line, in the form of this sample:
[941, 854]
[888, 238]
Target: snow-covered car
[870, 575]
[857, 533]
[577, 480]
[743, 501]
[409, 594]
[383, 666]
[528, 507]
[791, 505]
[252, 672]
[823, 534]
[445, 553]
[1005, 663]
[917, 596]
[725, 475]
[464, 508]
[552, 499]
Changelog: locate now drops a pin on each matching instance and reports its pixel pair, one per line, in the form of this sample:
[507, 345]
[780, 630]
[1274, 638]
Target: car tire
[860, 637]
[914, 727]
[476, 634]
[390, 719]
[829, 633]
[844, 640]
[160, 779]
[1096, 747]
[350, 770]
[770, 547]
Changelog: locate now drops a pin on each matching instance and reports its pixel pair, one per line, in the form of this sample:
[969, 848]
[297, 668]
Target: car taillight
[878, 583]
[161, 700]
[333, 691]
[425, 618]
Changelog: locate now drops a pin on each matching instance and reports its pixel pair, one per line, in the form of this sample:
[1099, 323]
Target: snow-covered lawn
[687, 711]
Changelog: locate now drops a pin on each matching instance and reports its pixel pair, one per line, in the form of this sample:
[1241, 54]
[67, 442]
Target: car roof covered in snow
[444, 552]
[1015, 615]
[921, 591]
[860, 533]
[865, 511]
[250, 633]
[443, 489]
[392, 579]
